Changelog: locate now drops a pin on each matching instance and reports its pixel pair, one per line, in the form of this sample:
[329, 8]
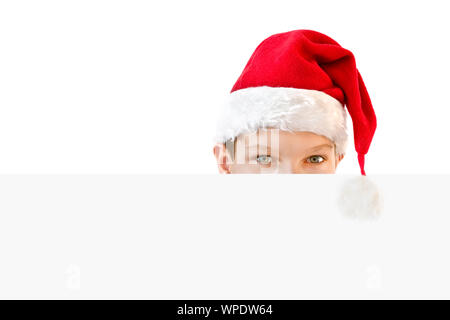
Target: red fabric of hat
[307, 59]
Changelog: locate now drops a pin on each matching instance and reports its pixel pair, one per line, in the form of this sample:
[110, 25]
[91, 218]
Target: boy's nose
[287, 166]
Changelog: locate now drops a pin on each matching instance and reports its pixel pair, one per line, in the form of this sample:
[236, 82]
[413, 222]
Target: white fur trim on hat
[290, 109]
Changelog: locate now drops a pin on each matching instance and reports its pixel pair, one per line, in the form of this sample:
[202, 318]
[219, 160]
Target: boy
[285, 113]
[275, 151]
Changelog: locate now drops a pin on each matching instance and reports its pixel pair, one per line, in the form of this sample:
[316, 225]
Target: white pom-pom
[360, 198]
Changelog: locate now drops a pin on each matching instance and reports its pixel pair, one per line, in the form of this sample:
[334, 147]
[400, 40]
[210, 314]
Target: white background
[134, 86]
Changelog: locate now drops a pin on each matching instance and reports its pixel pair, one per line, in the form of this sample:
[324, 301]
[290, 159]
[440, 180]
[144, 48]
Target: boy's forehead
[261, 136]
[275, 138]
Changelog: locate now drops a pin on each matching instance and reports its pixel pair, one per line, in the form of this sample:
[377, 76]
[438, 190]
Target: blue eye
[316, 159]
[264, 159]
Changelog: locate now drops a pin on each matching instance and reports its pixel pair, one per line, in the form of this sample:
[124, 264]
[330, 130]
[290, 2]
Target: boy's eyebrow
[257, 146]
[321, 146]
[313, 148]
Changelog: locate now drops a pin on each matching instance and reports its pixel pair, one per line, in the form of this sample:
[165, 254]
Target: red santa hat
[300, 81]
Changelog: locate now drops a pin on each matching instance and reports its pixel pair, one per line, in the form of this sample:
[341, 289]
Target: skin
[276, 151]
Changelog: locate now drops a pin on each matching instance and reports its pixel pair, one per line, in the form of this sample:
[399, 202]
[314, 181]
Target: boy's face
[278, 151]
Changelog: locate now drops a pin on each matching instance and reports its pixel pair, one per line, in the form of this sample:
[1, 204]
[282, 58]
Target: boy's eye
[264, 159]
[316, 159]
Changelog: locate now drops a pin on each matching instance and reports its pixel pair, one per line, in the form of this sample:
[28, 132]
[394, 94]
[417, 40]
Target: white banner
[221, 237]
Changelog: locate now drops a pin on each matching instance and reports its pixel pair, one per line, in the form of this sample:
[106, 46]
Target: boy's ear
[222, 158]
[339, 157]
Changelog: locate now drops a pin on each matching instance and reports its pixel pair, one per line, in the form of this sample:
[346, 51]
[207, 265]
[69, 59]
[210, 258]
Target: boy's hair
[230, 147]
